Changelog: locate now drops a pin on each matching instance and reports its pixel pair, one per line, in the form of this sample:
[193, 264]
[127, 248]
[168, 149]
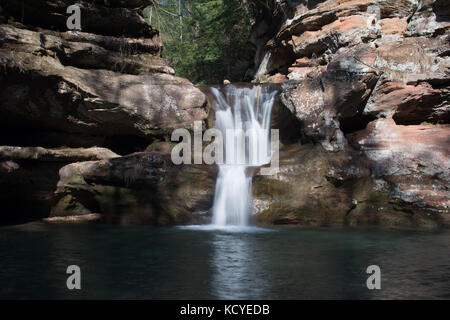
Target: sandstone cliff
[105, 85]
[363, 114]
[368, 81]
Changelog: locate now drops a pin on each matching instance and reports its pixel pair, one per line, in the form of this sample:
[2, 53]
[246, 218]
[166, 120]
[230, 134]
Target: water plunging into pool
[242, 114]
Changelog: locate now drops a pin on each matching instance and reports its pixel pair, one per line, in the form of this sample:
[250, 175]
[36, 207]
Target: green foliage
[205, 40]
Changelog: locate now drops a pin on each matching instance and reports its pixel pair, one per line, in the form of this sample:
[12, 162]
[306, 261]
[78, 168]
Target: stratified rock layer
[363, 115]
[71, 96]
[369, 82]
[139, 188]
[29, 176]
[106, 82]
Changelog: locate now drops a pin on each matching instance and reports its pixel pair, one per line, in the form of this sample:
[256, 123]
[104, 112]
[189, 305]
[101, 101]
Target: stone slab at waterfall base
[29, 175]
[139, 188]
[314, 189]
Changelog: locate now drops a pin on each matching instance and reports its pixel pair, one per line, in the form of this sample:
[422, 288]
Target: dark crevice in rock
[356, 123]
[281, 59]
[353, 207]
[27, 194]
[96, 18]
[128, 144]
[419, 5]
[40, 137]
[314, 3]
[288, 124]
[264, 28]
[335, 182]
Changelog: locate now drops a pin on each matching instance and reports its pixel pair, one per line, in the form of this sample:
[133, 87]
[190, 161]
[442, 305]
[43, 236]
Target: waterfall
[244, 115]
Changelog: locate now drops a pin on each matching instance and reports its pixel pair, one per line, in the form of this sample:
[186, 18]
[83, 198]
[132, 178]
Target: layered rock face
[64, 92]
[363, 114]
[94, 86]
[142, 187]
[369, 82]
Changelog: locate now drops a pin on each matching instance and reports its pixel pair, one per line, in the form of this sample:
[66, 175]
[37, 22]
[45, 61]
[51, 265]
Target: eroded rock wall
[103, 83]
[369, 82]
[65, 92]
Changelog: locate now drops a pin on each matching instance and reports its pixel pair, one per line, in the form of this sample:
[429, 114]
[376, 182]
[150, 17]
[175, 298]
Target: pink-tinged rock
[414, 160]
[413, 59]
[343, 32]
[340, 92]
[393, 26]
[410, 104]
[314, 17]
[306, 62]
[302, 73]
[277, 78]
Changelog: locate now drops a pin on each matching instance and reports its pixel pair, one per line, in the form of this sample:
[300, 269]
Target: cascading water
[245, 114]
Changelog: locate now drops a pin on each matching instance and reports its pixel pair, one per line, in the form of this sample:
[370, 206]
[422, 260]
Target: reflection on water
[204, 263]
[236, 275]
[228, 229]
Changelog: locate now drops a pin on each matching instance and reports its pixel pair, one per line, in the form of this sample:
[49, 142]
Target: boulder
[336, 95]
[414, 160]
[145, 188]
[28, 179]
[316, 189]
